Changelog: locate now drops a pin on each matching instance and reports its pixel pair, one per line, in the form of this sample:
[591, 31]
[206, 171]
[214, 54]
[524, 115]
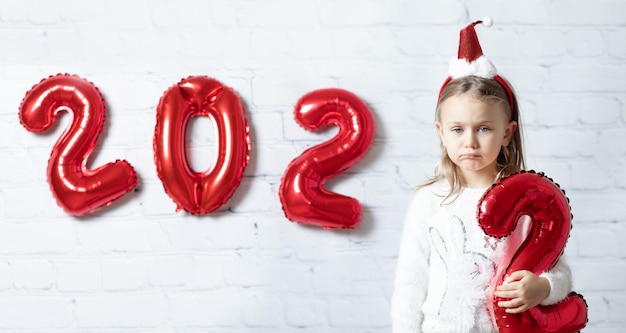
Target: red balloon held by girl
[302, 194]
[76, 188]
[200, 192]
[534, 195]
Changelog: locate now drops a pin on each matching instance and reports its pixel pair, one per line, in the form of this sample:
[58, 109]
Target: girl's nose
[470, 141]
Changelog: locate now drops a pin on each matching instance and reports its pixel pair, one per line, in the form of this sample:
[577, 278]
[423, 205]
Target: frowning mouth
[470, 156]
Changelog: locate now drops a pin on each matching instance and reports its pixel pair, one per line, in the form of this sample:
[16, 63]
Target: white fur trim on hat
[481, 67]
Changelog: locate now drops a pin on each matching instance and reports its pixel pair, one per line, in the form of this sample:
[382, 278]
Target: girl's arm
[525, 289]
[411, 279]
[560, 278]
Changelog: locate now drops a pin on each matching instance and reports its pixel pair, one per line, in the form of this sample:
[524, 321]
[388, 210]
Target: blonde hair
[511, 157]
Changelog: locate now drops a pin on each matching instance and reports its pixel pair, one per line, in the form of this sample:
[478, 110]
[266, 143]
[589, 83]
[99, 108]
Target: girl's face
[473, 131]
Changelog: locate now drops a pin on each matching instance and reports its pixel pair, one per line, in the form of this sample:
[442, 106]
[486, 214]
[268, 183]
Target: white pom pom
[487, 21]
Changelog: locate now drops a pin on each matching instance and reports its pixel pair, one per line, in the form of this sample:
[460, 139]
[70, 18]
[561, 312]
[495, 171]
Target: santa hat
[471, 61]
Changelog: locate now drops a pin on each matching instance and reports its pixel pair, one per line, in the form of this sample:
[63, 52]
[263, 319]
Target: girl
[446, 263]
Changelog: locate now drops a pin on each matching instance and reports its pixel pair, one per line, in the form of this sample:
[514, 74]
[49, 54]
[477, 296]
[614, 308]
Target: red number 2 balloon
[532, 194]
[301, 190]
[77, 189]
[200, 192]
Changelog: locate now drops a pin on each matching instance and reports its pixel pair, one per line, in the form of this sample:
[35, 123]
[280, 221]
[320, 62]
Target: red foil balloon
[200, 192]
[534, 195]
[77, 189]
[301, 192]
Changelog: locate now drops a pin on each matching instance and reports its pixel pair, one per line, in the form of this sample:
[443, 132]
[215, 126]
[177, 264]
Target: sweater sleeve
[560, 278]
[411, 279]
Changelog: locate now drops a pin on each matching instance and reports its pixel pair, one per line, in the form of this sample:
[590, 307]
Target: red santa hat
[471, 61]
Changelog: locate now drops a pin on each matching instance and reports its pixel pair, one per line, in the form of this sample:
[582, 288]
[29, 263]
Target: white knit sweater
[446, 265]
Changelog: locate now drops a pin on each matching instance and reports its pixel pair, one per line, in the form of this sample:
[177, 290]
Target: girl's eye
[483, 129]
[457, 130]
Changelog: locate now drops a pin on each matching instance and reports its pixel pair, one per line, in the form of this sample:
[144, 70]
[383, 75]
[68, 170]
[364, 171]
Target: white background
[139, 266]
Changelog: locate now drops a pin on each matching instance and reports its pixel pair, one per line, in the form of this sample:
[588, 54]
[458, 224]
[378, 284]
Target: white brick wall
[138, 266]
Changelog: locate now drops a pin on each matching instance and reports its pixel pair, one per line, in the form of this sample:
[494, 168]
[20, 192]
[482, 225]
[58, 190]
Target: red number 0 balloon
[77, 189]
[200, 192]
[532, 194]
[301, 190]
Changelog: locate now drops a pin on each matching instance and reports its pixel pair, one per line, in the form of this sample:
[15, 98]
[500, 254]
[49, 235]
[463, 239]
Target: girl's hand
[524, 290]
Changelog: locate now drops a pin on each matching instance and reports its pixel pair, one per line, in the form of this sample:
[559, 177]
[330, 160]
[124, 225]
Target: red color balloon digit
[532, 194]
[200, 192]
[301, 192]
[77, 189]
